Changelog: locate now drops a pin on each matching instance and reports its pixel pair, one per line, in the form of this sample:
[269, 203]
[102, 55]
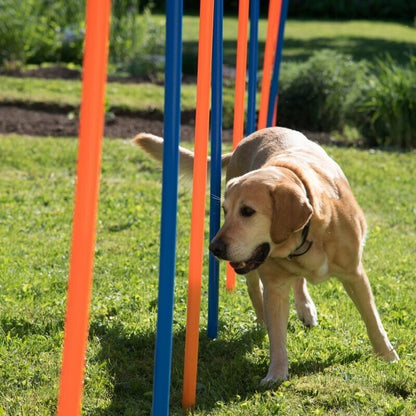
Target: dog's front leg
[276, 314]
[255, 291]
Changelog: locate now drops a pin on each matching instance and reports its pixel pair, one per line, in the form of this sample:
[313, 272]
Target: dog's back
[279, 143]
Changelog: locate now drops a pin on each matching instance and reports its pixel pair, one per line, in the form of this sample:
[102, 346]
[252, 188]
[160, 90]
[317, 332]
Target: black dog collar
[304, 246]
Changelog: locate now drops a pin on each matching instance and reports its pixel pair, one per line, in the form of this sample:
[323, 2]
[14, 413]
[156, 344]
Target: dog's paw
[391, 356]
[277, 374]
[268, 382]
[307, 314]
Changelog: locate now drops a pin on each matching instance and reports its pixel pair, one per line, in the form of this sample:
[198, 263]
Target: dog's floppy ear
[291, 211]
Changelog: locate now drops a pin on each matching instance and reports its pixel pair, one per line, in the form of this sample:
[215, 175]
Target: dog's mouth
[259, 256]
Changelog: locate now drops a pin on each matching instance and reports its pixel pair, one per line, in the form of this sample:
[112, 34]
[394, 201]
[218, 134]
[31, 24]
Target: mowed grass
[333, 371]
[67, 93]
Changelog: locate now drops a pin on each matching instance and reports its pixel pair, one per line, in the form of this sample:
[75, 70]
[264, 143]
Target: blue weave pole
[253, 54]
[216, 139]
[274, 87]
[167, 259]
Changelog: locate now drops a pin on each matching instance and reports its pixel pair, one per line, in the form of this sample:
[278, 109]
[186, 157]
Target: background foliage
[342, 9]
[312, 94]
[353, 9]
[330, 92]
[383, 107]
[35, 31]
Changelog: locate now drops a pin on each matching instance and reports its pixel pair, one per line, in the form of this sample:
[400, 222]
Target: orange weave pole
[85, 210]
[240, 88]
[275, 7]
[240, 71]
[198, 202]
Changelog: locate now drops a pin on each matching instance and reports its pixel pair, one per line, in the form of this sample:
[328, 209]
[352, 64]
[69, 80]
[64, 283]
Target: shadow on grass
[300, 50]
[358, 47]
[222, 369]
[226, 369]
[304, 368]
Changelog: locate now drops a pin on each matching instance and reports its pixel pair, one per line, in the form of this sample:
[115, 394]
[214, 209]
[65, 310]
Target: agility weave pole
[85, 209]
[252, 66]
[274, 88]
[273, 19]
[167, 258]
[198, 201]
[239, 93]
[216, 165]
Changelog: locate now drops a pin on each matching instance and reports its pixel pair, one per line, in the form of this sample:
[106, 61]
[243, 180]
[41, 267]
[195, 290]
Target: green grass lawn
[67, 93]
[333, 371]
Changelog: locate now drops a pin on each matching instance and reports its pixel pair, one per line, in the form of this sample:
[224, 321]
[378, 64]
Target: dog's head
[262, 209]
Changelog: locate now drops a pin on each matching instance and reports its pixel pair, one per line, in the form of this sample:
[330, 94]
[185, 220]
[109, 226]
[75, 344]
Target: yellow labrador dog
[290, 215]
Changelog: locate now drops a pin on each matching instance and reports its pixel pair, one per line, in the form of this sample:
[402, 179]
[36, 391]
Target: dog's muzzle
[219, 250]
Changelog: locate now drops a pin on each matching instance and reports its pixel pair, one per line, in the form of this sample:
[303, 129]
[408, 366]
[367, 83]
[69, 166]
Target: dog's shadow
[129, 360]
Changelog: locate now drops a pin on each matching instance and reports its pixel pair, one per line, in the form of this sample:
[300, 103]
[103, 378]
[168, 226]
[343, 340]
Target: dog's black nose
[218, 248]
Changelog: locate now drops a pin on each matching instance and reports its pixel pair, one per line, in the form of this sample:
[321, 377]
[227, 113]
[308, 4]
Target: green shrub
[355, 9]
[36, 31]
[312, 94]
[332, 92]
[137, 43]
[17, 29]
[384, 109]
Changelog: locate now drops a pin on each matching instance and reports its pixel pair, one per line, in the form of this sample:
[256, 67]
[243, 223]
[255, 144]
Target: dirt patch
[57, 123]
[40, 122]
[50, 72]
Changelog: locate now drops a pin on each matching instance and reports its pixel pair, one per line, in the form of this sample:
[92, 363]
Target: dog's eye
[247, 211]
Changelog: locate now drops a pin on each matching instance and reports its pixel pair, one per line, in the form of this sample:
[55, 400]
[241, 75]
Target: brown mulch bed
[40, 122]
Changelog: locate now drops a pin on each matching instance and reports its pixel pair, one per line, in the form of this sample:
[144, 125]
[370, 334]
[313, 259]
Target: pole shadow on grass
[227, 368]
[358, 47]
[224, 370]
[300, 50]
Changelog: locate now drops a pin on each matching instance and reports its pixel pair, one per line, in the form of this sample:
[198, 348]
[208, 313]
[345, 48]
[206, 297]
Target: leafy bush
[384, 108]
[343, 9]
[332, 92]
[312, 94]
[36, 31]
[137, 43]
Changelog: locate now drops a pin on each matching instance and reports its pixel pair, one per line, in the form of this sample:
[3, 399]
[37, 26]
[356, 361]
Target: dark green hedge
[331, 92]
[324, 9]
[353, 9]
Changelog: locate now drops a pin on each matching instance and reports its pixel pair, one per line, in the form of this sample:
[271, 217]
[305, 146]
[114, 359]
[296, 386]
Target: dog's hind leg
[305, 307]
[359, 290]
[255, 291]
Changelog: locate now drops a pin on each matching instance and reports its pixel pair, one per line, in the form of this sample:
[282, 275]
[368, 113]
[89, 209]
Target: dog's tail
[153, 145]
